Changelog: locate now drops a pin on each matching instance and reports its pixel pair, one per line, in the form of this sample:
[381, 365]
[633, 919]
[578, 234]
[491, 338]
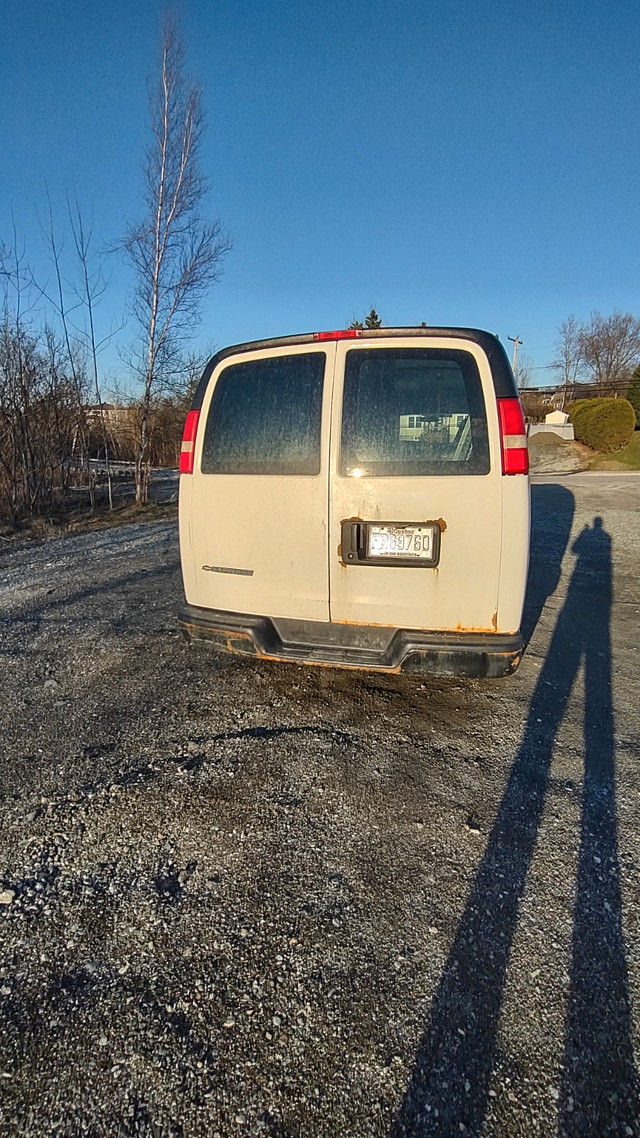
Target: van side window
[413, 411]
[265, 417]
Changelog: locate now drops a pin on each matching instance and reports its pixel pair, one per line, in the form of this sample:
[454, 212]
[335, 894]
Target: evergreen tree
[371, 320]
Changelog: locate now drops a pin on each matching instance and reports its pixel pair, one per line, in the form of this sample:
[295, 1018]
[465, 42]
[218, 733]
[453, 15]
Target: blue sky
[455, 162]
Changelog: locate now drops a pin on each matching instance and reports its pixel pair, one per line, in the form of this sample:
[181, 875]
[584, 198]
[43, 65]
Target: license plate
[401, 541]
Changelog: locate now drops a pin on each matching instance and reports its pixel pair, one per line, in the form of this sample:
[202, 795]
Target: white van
[358, 498]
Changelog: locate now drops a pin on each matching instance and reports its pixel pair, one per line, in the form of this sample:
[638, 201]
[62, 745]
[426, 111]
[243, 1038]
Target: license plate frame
[357, 547]
[398, 542]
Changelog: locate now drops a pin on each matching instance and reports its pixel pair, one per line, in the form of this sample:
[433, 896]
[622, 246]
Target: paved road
[607, 489]
[239, 898]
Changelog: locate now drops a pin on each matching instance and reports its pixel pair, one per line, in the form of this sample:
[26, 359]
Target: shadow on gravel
[340, 737]
[196, 761]
[552, 510]
[448, 1092]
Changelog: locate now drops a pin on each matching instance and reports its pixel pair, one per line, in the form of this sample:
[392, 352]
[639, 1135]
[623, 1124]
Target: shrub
[603, 424]
[634, 394]
[579, 405]
[583, 420]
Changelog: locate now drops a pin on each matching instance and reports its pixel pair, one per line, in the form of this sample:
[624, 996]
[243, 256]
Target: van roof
[503, 381]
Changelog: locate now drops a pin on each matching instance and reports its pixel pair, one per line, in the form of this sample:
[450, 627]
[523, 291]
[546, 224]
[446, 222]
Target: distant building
[556, 423]
[114, 417]
[538, 402]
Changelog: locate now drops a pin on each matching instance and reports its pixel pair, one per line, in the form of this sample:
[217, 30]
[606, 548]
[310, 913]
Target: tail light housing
[513, 437]
[343, 334]
[187, 450]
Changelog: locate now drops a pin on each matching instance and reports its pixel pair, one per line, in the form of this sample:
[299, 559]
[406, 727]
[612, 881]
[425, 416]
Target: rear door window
[413, 411]
[265, 417]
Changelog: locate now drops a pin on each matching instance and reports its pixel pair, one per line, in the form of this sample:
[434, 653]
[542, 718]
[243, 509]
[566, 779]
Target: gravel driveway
[241, 898]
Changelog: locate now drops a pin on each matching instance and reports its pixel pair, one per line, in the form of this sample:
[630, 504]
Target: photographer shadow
[449, 1087]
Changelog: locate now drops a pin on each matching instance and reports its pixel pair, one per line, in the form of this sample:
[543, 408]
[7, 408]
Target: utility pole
[516, 341]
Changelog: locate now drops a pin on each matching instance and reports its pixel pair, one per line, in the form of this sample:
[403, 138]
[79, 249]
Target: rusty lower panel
[239, 643]
[310, 663]
[479, 655]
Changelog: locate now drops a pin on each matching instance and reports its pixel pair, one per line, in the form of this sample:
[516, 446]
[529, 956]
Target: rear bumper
[479, 655]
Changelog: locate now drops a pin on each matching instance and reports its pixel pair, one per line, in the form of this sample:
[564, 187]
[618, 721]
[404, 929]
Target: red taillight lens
[189, 442]
[513, 437]
[345, 334]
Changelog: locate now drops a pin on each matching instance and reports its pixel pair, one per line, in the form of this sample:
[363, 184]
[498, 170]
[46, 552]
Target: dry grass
[626, 459]
[77, 519]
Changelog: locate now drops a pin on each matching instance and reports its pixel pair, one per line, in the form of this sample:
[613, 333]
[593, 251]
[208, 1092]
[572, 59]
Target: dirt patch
[549, 454]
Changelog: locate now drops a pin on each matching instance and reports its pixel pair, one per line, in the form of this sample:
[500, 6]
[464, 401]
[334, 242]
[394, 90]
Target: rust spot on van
[441, 524]
[494, 621]
[475, 627]
[237, 643]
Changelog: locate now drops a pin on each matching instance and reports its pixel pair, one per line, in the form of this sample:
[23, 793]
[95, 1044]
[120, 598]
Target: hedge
[579, 405]
[603, 424]
[633, 394]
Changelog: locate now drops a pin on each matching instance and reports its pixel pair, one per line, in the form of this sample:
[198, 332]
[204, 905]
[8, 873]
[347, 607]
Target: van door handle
[351, 540]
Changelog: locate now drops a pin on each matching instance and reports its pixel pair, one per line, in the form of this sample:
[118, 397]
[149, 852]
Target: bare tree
[42, 384]
[92, 288]
[38, 419]
[18, 383]
[75, 357]
[524, 372]
[610, 347]
[568, 363]
[77, 320]
[176, 253]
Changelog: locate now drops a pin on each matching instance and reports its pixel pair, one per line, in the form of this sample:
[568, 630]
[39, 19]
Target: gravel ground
[242, 898]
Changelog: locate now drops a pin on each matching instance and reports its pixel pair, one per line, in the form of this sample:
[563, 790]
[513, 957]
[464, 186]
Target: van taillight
[344, 334]
[187, 449]
[513, 437]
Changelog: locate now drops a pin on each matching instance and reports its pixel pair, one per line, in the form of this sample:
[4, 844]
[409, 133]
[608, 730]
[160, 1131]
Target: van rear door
[415, 486]
[258, 538]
